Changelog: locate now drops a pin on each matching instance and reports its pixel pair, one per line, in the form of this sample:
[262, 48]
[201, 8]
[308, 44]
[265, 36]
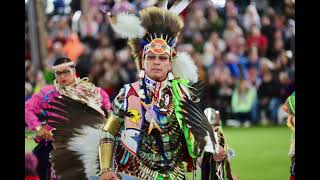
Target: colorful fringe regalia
[156, 130]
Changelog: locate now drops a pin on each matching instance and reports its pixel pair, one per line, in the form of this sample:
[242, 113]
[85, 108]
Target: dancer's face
[65, 76]
[157, 66]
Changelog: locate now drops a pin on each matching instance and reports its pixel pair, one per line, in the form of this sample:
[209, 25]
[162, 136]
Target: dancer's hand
[285, 108]
[44, 133]
[109, 176]
[221, 155]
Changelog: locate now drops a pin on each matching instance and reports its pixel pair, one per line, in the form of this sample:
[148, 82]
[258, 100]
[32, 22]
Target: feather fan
[76, 138]
[199, 126]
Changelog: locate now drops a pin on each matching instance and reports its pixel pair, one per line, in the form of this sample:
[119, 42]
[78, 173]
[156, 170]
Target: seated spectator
[242, 101]
[268, 96]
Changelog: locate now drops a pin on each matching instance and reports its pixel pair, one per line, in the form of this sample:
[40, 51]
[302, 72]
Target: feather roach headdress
[156, 30]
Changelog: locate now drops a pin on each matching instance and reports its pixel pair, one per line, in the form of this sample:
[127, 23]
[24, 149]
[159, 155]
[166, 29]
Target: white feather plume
[184, 67]
[87, 146]
[128, 26]
[209, 146]
[178, 8]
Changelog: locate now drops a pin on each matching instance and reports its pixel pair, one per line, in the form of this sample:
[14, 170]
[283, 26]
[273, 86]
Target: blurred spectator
[215, 22]
[286, 86]
[122, 6]
[215, 43]
[242, 101]
[277, 5]
[251, 17]
[278, 47]
[266, 66]
[29, 75]
[55, 52]
[253, 58]
[212, 48]
[27, 50]
[208, 54]
[253, 76]
[59, 6]
[261, 5]
[268, 96]
[198, 22]
[99, 56]
[268, 31]
[233, 64]
[197, 57]
[219, 90]
[132, 71]
[279, 21]
[59, 29]
[40, 82]
[73, 47]
[241, 52]
[289, 8]
[112, 78]
[57, 49]
[290, 36]
[257, 39]
[231, 10]
[94, 4]
[282, 62]
[28, 91]
[197, 42]
[88, 25]
[242, 5]
[232, 32]
[83, 64]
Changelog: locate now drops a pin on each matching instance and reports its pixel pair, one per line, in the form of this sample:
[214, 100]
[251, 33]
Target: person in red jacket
[257, 39]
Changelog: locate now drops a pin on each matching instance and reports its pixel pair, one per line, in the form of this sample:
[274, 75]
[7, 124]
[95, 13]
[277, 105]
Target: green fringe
[177, 95]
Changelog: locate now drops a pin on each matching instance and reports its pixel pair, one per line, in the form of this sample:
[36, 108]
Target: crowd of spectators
[245, 52]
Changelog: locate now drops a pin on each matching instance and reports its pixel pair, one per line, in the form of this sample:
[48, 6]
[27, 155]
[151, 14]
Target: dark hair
[61, 60]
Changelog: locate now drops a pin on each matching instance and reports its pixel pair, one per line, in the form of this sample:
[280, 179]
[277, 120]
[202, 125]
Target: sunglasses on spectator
[64, 72]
